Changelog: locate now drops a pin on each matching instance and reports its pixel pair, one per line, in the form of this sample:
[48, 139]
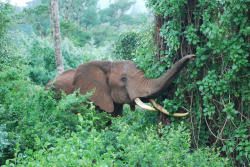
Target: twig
[213, 133]
[226, 106]
[220, 132]
[192, 124]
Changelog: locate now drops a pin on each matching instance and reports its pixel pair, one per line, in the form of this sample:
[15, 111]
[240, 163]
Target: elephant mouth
[158, 107]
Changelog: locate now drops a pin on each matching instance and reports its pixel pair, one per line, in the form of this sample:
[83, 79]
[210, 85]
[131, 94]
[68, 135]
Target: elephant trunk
[156, 86]
[153, 87]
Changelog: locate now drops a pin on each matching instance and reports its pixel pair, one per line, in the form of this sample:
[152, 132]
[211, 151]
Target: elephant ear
[93, 75]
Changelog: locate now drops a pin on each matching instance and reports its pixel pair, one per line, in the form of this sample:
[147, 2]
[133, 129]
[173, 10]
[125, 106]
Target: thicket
[215, 89]
[37, 130]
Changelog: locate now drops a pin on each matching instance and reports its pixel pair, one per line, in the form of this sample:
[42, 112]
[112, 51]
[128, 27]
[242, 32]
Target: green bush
[117, 145]
[43, 132]
[126, 44]
[29, 113]
[4, 142]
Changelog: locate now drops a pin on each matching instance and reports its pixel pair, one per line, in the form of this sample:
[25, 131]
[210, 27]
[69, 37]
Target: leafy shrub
[29, 113]
[88, 147]
[3, 137]
[125, 46]
[145, 55]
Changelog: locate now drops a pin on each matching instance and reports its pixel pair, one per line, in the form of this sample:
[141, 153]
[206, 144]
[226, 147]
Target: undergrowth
[40, 131]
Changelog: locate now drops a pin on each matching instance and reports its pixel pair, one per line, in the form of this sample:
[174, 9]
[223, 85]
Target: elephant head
[117, 83]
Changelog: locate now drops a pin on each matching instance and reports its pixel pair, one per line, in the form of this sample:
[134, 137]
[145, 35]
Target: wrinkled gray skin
[115, 83]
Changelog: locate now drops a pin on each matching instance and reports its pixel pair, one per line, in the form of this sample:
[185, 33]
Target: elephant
[117, 83]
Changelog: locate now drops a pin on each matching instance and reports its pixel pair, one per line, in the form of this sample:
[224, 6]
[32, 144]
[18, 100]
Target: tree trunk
[51, 19]
[68, 10]
[55, 26]
[184, 49]
[159, 21]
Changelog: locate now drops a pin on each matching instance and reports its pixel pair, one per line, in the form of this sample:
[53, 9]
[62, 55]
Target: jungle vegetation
[37, 130]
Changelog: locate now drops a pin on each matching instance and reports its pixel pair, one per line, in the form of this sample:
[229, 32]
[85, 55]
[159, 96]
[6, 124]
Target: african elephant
[117, 83]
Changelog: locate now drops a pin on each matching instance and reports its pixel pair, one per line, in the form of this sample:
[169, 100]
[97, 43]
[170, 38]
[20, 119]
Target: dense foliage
[216, 88]
[39, 131]
[36, 130]
[126, 45]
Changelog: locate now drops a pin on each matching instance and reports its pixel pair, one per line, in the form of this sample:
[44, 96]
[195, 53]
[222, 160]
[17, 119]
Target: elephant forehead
[122, 67]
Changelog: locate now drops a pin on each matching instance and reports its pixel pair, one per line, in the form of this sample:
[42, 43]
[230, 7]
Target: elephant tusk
[160, 108]
[143, 105]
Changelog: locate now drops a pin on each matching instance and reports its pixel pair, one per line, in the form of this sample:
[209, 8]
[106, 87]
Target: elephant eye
[124, 79]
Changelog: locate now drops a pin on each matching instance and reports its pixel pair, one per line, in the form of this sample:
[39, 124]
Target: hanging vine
[216, 88]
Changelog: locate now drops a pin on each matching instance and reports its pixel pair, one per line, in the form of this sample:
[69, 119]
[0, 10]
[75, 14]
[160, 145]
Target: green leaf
[161, 69]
